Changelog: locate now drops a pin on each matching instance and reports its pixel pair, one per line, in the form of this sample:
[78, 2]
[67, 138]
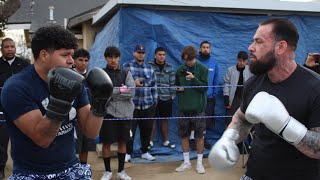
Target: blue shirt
[25, 92]
[147, 95]
[213, 80]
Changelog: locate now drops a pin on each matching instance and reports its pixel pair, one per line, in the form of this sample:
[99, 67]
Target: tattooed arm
[240, 124]
[225, 153]
[310, 144]
[41, 130]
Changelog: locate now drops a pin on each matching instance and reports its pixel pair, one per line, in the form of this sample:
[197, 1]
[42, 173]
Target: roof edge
[250, 6]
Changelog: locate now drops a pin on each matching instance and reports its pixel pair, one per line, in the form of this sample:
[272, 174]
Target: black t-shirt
[300, 94]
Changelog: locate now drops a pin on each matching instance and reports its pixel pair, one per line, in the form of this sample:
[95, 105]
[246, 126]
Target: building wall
[88, 33]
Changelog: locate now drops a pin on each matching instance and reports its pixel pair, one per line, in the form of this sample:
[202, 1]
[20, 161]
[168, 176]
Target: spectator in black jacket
[81, 59]
[10, 64]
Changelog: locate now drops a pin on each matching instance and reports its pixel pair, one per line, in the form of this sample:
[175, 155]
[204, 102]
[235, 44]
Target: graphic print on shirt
[66, 126]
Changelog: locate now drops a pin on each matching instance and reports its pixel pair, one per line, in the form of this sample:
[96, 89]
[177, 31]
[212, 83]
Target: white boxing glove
[270, 111]
[225, 153]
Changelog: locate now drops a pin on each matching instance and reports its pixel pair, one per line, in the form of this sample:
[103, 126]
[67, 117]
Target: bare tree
[22, 50]
[7, 8]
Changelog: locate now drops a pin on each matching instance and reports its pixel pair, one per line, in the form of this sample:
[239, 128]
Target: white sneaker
[200, 169]
[148, 156]
[107, 175]
[123, 176]
[127, 158]
[150, 145]
[169, 144]
[184, 166]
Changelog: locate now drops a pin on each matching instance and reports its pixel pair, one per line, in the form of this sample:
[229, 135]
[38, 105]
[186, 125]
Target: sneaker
[127, 158]
[107, 175]
[150, 145]
[123, 176]
[147, 156]
[200, 169]
[169, 144]
[184, 166]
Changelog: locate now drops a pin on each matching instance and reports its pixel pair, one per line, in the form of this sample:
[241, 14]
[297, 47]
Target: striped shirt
[147, 95]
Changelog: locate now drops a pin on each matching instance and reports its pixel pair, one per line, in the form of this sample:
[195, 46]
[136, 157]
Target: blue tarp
[228, 34]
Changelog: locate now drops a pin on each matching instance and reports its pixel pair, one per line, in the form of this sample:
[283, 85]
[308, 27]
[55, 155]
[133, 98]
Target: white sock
[199, 160]
[191, 135]
[186, 157]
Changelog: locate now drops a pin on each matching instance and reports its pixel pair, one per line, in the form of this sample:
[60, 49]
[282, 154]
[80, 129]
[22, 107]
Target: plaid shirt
[147, 95]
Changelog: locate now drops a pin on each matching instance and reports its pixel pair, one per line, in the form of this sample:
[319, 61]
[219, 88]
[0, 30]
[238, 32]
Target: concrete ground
[158, 171]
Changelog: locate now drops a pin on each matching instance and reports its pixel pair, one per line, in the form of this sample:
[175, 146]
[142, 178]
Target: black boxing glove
[64, 86]
[101, 88]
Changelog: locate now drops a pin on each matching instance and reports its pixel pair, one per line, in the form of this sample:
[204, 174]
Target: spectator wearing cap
[145, 100]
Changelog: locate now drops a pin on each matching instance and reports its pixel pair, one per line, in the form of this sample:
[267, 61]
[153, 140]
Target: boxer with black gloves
[41, 103]
[64, 86]
[98, 82]
[282, 100]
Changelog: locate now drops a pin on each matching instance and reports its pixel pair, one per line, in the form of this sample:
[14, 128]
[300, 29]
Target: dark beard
[204, 56]
[257, 67]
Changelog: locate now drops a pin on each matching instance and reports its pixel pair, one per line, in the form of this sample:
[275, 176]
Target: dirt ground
[158, 171]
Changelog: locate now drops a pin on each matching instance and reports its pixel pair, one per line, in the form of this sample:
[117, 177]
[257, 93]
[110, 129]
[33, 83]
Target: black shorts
[114, 131]
[164, 108]
[196, 124]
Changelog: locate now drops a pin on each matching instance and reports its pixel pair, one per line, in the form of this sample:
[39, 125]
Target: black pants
[145, 127]
[234, 107]
[211, 103]
[4, 139]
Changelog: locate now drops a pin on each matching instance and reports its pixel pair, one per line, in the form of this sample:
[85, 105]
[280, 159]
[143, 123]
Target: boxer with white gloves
[282, 102]
[269, 110]
[225, 153]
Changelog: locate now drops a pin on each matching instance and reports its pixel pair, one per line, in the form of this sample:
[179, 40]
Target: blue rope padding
[159, 118]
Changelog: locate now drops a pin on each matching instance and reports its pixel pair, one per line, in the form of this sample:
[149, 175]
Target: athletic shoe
[107, 175]
[127, 158]
[148, 156]
[123, 176]
[150, 145]
[169, 144]
[200, 169]
[184, 166]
